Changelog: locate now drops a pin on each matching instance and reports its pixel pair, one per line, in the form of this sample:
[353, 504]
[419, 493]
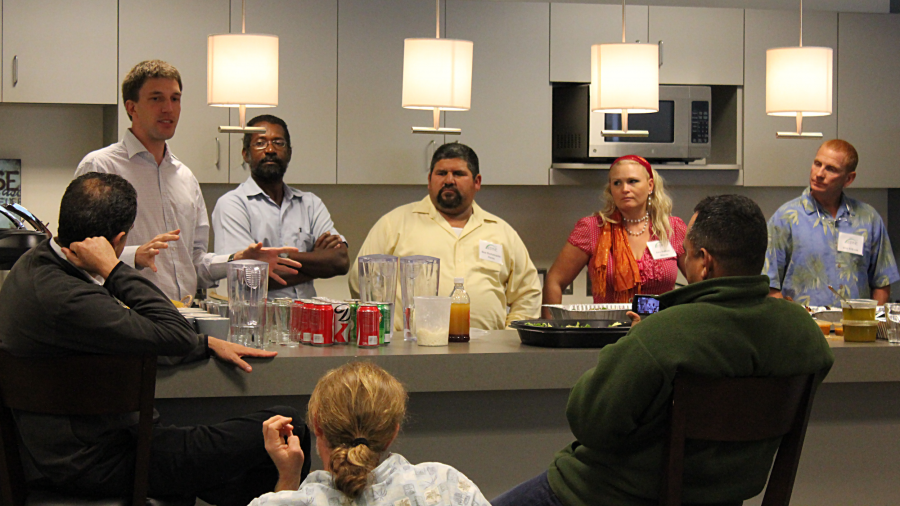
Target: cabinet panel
[868, 72]
[176, 31]
[509, 124]
[65, 52]
[781, 162]
[700, 45]
[574, 28]
[307, 85]
[376, 144]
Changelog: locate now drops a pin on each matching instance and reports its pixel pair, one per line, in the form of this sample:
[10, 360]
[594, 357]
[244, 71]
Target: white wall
[50, 140]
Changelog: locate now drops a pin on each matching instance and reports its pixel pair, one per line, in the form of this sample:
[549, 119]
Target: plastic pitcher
[378, 284]
[248, 283]
[419, 276]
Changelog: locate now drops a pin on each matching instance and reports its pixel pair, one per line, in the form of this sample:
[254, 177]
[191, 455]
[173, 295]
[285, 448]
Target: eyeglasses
[261, 144]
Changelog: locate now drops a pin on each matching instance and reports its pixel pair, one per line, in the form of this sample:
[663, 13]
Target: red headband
[637, 159]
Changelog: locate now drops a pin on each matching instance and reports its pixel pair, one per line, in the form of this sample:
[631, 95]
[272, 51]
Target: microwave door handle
[660, 44]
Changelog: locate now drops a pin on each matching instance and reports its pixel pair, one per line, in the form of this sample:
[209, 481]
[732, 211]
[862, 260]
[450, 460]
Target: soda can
[354, 306]
[387, 324]
[341, 322]
[368, 325]
[306, 322]
[323, 325]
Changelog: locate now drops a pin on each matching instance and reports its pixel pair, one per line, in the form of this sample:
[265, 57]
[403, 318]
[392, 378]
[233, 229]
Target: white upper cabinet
[781, 162]
[376, 144]
[699, 45]
[868, 75]
[509, 124]
[175, 31]
[307, 84]
[574, 28]
[57, 51]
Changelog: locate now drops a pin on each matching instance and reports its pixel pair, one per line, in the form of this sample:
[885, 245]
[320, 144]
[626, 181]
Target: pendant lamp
[799, 83]
[242, 71]
[625, 80]
[437, 76]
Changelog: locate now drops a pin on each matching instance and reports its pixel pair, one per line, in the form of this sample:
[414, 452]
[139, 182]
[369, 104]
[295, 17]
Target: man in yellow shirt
[472, 243]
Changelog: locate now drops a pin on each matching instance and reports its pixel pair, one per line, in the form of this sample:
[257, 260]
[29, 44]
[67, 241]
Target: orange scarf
[613, 245]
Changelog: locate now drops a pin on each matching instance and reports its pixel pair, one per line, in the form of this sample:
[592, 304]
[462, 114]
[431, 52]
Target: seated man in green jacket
[722, 324]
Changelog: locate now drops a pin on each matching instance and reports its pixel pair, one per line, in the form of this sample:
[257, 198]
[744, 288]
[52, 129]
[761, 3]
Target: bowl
[611, 311]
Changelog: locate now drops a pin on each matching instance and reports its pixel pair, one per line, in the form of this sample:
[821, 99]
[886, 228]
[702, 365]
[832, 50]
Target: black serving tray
[559, 336]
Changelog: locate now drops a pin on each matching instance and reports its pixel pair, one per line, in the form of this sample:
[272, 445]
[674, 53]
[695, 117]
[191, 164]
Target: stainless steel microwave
[678, 132]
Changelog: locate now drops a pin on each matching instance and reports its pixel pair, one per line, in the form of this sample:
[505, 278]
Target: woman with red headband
[632, 245]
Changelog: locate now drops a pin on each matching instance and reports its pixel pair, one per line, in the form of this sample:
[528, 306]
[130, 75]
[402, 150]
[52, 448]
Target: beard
[269, 170]
[449, 203]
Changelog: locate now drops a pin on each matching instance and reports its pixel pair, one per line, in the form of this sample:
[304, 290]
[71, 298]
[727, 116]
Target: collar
[133, 146]
[478, 218]
[249, 188]
[59, 252]
[728, 289]
[811, 205]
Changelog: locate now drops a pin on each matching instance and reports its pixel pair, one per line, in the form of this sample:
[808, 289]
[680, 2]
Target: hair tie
[359, 441]
[638, 159]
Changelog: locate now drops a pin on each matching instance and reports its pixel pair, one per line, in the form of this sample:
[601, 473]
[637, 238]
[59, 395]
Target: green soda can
[387, 324]
[354, 306]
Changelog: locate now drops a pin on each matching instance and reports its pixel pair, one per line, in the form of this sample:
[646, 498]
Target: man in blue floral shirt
[826, 238]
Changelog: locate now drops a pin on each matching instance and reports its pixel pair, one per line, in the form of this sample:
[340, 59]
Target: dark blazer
[49, 307]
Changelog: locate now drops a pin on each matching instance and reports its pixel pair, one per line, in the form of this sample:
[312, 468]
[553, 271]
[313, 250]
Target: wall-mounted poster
[10, 185]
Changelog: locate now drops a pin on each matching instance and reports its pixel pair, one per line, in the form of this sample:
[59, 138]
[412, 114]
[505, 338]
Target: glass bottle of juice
[459, 313]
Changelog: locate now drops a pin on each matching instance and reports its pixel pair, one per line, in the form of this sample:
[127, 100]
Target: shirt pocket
[303, 241]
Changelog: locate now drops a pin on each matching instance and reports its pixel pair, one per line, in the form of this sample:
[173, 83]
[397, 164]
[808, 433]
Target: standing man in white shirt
[171, 211]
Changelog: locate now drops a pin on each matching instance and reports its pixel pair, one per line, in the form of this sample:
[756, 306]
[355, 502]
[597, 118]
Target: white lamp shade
[437, 73]
[625, 76]
[799, 80]
[242, 69]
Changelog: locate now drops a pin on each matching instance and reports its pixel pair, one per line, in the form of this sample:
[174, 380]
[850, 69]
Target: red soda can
[323, 325]
[306, 323]
[341, 322]
[368, 325]
[296, 321]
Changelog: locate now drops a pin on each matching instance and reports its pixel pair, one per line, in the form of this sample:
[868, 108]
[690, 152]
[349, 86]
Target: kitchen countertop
[497, 361]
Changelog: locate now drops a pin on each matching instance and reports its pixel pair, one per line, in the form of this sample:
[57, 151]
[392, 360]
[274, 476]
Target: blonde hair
[659, 205]
[357, 400]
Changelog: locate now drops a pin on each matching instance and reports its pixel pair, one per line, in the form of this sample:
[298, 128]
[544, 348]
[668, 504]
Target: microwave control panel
[699, 122]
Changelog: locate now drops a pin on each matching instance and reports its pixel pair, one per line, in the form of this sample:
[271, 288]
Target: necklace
[645, 218]
[643, 229]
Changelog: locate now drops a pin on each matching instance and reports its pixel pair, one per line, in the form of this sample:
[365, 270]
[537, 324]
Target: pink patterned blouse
[657, 276]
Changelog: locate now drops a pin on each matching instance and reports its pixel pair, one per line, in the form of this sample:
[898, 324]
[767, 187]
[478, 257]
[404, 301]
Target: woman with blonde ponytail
[356, 411]
[632, 245]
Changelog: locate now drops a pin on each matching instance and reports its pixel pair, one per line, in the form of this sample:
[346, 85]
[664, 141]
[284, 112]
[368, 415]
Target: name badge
[850, 243]
[661, 252]
[490, 252]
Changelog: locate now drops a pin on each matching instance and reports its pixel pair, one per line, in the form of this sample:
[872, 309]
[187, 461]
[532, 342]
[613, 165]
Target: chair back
[73, 386]
[739, 409]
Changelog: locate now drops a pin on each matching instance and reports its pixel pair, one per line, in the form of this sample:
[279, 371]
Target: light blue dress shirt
[803, 257]
[246, 215]
[395, 482]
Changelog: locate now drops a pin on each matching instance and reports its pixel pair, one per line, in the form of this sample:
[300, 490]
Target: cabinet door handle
[660, 44]
[217, 153]
[15, 69]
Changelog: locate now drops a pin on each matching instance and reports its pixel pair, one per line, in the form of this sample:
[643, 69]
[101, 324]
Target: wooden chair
[74, 385]
[739, 409]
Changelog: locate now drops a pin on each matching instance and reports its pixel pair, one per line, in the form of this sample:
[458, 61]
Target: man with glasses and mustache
[263, 209]
[471, 243]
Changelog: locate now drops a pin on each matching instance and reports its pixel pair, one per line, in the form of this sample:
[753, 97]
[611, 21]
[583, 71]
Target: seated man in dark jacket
[72, 295]
[722, 324]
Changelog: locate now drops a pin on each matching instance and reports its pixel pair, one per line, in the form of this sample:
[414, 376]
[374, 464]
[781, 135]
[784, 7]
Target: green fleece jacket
[618, 410]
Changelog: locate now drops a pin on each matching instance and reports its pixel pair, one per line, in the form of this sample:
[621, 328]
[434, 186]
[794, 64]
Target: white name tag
[659, 251]
[850, 243]
[490, 252]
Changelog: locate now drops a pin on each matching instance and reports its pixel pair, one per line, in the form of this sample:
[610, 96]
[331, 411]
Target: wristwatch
[231, 257]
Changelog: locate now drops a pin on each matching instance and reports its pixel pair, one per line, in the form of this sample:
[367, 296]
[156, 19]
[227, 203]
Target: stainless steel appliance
[680, 131]
[16, 241]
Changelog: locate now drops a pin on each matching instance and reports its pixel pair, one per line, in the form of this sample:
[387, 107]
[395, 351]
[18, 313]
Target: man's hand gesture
[145, 256]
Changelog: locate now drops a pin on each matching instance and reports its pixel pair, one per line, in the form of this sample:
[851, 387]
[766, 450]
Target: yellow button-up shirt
[419, 229]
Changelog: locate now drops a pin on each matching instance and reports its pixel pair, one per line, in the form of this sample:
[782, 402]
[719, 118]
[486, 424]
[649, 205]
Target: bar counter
[495, 408]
